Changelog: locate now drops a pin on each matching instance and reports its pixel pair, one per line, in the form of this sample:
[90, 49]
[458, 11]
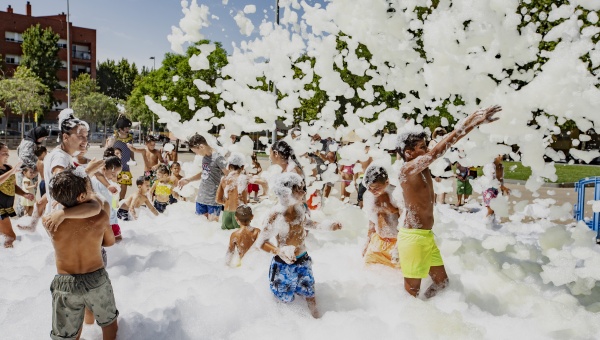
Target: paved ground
[561, 195]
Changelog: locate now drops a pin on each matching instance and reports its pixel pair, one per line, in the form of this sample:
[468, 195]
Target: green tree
[24, 93]
[116, 80]
[40, 55]
[96, 107]
[83, 86]
[161, 83]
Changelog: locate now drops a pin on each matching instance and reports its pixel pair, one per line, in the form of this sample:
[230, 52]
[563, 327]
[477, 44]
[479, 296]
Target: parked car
[10, 133]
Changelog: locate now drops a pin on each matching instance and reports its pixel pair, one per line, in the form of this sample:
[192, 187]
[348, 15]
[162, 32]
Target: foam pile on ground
[170, 282]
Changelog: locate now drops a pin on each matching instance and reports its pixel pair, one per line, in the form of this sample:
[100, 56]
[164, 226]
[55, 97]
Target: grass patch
[566, 173]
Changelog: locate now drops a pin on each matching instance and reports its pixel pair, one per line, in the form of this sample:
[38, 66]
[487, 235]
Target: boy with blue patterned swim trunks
[417, 250]
[291, 268]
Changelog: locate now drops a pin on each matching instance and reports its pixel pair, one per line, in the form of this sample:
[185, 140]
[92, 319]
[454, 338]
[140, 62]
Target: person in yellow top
[162, 189]
[8, 189]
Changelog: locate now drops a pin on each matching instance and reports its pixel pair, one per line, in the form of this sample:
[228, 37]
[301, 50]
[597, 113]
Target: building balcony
[82, 55]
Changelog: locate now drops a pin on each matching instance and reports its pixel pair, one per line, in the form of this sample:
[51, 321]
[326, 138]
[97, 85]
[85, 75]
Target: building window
[13, 37]
[12, 59]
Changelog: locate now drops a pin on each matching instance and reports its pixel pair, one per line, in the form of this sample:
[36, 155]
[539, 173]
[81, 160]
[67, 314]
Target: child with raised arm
[152, 156]
[382, 210]
[243, 238]
[127, 210]
[162, 189]
[233, 191]
[8, 190]
[291, 267]
[81, 281]
[418, 253]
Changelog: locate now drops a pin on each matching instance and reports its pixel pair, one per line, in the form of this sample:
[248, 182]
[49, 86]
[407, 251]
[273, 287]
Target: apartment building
[82, 52]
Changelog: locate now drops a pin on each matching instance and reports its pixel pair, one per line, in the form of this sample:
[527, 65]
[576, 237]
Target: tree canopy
[116, 80]
[40, 55]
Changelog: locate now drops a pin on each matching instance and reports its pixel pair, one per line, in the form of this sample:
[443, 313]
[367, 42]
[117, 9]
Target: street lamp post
[274, 135]
[153, 68]
[68, 59]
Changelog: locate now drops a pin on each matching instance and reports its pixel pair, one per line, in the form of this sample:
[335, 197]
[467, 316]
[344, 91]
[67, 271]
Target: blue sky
[138, 29]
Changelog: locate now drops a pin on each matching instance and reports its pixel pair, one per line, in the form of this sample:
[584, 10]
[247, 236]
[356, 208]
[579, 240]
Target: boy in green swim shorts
[233, 190]
[81, 281]
[417, 250]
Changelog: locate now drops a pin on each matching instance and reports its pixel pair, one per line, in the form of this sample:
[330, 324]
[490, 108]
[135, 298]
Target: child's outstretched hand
[29, 196]
[336, 226]
[479, 117]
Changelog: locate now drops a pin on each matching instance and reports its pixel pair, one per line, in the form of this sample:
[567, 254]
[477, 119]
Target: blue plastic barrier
[578, 209]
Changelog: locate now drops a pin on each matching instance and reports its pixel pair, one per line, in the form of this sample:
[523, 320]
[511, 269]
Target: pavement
[560, 194]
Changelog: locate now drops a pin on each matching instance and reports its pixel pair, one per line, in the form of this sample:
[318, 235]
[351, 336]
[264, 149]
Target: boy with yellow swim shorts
[417, 250]
[383, 213]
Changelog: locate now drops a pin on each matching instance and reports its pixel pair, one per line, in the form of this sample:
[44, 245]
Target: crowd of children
[92, 191]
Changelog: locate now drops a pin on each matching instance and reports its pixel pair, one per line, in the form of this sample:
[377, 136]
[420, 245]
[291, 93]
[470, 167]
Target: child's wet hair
[150, 138]
[409, 142]
[40, 151]
[2, 146]
[197, 140]
[109, 152]
[66, 186]
[112, 162]
[375, 174]
[285, 151]
[234, 167]
[163, 169]
[174, 164]
[140, 180]
[244, 214]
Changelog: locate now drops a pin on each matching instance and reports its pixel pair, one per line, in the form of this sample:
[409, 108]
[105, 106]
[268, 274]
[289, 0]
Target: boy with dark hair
[214, 167]
[127, 210]
[382, 211]
[233, 191]
[41, 153]
[152, 156]
[418, 253]
[243, 238]
[81, 282]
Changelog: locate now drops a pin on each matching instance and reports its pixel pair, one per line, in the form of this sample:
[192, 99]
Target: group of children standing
[399, 234]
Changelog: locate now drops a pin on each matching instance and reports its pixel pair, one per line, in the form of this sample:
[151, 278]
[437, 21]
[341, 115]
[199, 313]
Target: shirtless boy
[127, 210]
[232, 191]
[291, 268]
[243, 238]
[81, 279]
[383, 213]
[418, 253]
[152, 156]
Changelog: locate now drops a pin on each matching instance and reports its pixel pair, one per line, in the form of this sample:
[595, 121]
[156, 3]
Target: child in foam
[214, 167]
[81, 282]
[418, 253]
[29, 185]
[152, 157]
[291, 267]
[382, 210]
[121, 139]
[162, 189]
[41, 153]
[8, 189]
[127, 210]
[494, 175]
[243, 238]
[233, 190]
[112, 167]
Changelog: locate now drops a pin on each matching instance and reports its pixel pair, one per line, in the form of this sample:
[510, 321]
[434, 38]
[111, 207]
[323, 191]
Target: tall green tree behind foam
[40, 55]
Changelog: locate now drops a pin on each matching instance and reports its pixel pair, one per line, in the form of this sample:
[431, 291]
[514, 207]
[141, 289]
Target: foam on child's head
[237, 159]
[374, 174]
[283, 184]
[408, 132]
